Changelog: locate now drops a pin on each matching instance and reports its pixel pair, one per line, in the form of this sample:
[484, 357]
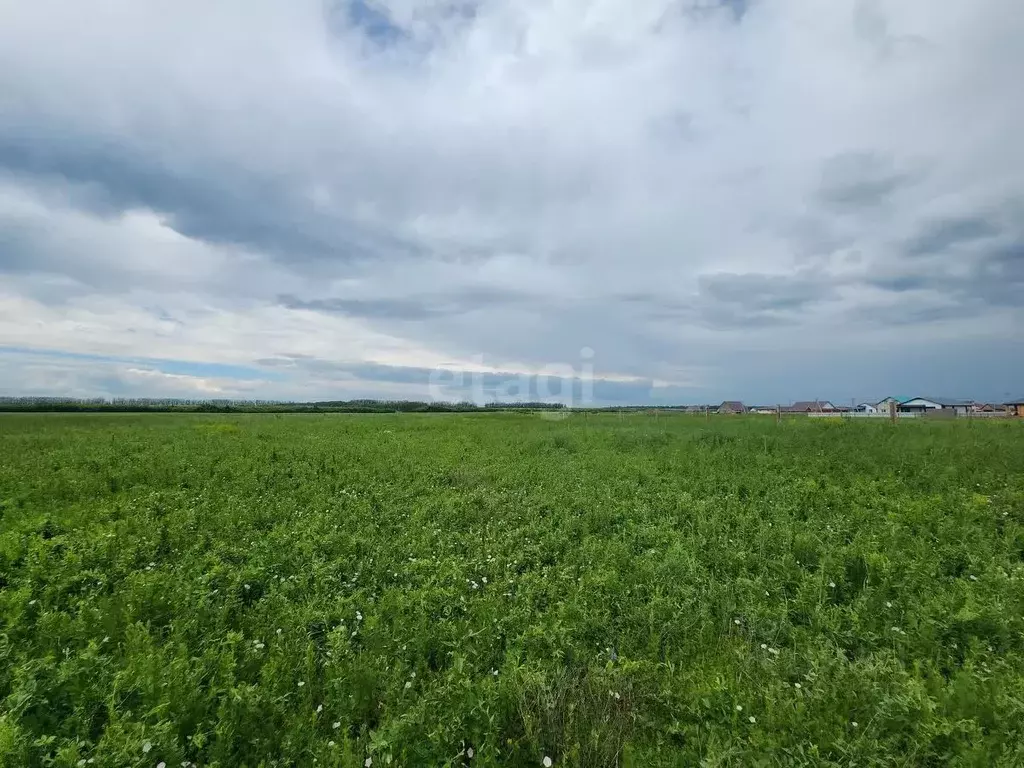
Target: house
[865, 408]
[884, 405]
[811, 406]
[732, 406]
[763, 409]
[936, 405]
[1017, 406]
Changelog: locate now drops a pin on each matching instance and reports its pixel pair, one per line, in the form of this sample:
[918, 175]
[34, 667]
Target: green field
[497, 589]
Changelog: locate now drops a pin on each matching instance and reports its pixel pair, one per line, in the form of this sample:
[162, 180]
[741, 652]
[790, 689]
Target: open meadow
[505, 589]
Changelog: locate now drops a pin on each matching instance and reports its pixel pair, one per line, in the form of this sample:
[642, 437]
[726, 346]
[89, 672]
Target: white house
[929, 404]
[866, 408]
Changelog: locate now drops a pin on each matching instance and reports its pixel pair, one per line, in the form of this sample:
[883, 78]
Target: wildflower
[80, 763]
[336, 726]
[736, 622]
[161, 764]
[31, 602]
[359, 616]
[279, 630]
[752, 719]
[330, 743]
[546, 762]
[469, 753]
[494, 672]
[368, 762]
[617, 697]
[854, 723]
[259, 646]
[764, 646]
[319, 708]
[832, 584]
[773, 651]
[739, 707]
[301, 683]
[797, 686]
[888, 604]
[146, 746]
[973, 577]
[106, 639]
[246, 586]
[766, 593]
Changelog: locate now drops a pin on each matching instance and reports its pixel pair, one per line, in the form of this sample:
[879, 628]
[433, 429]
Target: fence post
[892, 411]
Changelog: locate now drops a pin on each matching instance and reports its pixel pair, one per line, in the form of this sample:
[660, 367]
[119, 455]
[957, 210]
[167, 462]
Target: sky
[653, 201]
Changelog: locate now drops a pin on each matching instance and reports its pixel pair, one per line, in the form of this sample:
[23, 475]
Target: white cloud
[512, 180]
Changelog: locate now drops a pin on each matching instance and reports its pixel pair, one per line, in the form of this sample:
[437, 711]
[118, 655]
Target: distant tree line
[176, 405]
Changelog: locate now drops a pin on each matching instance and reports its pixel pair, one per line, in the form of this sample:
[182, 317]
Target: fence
[860, 415]
[932, 414]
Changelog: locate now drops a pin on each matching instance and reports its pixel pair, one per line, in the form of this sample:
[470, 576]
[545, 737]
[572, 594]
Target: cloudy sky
[764, 200]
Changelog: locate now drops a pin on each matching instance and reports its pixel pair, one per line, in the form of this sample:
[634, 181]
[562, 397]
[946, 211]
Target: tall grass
[412, 590]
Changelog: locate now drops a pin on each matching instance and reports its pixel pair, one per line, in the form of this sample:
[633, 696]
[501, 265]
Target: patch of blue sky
[374, 23]
[174, 367]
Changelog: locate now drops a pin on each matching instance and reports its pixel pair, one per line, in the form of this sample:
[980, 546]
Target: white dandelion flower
[319, 708]
[797, 686]
[736, 622]
[764, 646]
[161, 764]
[301, 683]
[330, 743]
[546, 762]
[368, 762]
[336, 726]
[888, 604]
[752, 719]
[470, 753]
[854, 723]
[832, 584]
[146, 746]
[739, 707]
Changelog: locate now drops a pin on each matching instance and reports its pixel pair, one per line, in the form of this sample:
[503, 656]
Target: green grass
[279, 590]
